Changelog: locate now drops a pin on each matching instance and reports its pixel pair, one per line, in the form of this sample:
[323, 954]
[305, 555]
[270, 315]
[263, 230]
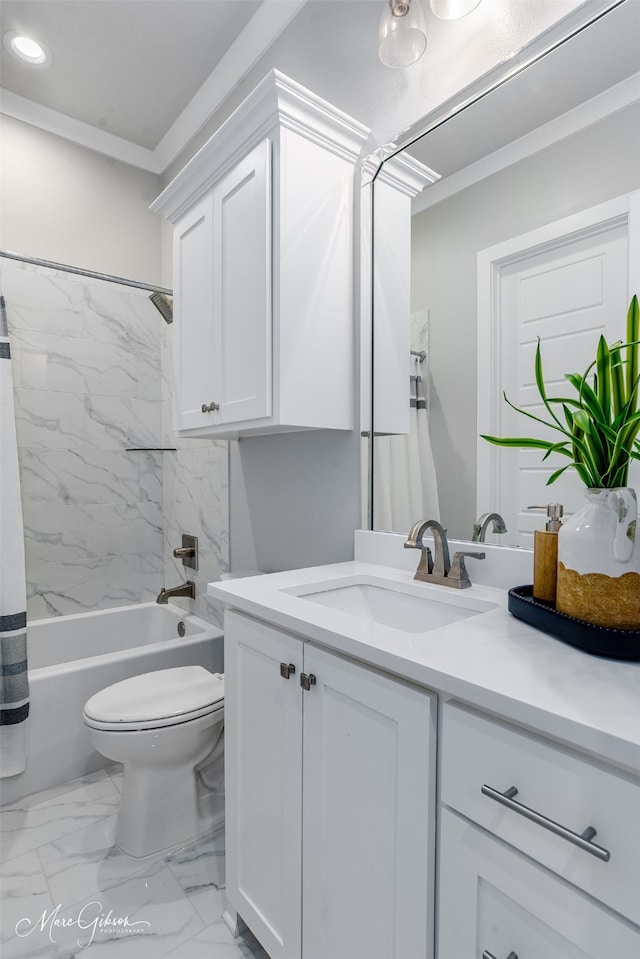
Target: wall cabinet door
[352, 758]
[494, 902]
[368, 815]
[263, 772]
[242, 289]
[222, 256]
[194, 343]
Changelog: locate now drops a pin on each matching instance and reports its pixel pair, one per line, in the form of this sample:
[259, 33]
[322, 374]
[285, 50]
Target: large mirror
[524, 226]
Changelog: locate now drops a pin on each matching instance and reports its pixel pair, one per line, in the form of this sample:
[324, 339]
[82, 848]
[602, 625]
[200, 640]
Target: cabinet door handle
[210, 408]
[287, 670]
[582, 840]
[489, 955]
[307, 681]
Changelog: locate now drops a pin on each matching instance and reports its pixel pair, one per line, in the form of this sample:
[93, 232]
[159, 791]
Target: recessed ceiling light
[27, 49]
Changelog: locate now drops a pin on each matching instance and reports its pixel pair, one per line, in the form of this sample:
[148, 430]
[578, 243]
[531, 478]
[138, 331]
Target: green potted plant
[598, 429]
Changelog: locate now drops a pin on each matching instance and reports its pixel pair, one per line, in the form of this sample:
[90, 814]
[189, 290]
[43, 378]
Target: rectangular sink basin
[412, 608]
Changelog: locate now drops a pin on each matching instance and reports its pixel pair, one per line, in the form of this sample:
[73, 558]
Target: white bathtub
[72, 657]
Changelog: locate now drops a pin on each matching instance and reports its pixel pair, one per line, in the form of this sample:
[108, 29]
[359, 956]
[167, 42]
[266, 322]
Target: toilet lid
[164, 695]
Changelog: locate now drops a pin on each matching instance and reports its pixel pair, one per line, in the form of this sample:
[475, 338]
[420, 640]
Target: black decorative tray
[597, 640]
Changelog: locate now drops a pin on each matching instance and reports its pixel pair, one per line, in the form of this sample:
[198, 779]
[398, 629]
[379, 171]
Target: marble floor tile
[23, 892]
[144, 917]
[200, 870]
[79, 898]
[89, 860]
[48, 816]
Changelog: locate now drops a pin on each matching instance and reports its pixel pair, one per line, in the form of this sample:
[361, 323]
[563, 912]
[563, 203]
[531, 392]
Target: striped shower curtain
[405, 488]
[14, 686]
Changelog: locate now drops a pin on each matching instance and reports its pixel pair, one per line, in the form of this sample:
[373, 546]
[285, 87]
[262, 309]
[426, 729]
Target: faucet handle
[458, 572]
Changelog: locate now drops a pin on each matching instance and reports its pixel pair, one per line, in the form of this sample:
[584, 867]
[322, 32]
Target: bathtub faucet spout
[187, 589]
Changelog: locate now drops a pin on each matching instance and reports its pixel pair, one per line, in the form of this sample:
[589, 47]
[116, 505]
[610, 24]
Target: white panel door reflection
[566, 285]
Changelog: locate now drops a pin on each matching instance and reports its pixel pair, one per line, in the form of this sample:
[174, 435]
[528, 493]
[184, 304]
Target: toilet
[166, 728]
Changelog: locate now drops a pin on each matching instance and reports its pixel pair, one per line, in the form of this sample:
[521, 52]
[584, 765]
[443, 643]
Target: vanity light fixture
[403, 36]
[27, 49]
[452, 9]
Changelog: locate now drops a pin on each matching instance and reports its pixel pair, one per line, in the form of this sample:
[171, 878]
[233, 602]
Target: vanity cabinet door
[368, 813]
[263, 770]
[495, 902]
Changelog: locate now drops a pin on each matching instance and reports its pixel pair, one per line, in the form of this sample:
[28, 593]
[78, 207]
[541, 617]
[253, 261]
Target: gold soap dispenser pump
[545, 554]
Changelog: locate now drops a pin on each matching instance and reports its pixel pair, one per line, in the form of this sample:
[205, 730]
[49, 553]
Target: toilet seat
[166, 697]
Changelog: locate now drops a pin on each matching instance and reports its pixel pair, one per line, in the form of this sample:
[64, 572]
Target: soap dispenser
[545, 554]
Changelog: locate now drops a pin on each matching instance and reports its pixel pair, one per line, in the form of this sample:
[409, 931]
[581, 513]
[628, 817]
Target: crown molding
[266, 25]
[262, 30]
[277, 102]
[605, 104]
[84, 134]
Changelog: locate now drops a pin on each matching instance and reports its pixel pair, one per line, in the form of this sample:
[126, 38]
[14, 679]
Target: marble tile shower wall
[92, 377]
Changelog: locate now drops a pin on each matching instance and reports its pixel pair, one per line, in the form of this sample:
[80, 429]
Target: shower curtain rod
[90, 273]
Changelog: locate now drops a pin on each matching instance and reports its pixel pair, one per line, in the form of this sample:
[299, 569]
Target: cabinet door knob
[287, 670]
[307, 681]
[210, 408]
[489, 955]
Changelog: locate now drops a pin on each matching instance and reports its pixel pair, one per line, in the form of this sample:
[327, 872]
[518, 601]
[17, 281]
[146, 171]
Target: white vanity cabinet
[330, 791]
[263, 268]
[555, 870]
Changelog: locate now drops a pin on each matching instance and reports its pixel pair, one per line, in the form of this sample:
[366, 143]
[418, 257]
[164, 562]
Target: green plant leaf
[558, 473]
[602, 432]
[540, 383]
[517, 441]
[603, 366]
[617, 381]
[633, 332]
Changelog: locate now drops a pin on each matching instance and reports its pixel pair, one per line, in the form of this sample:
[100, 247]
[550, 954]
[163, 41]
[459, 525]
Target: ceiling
[129, 68]
[139, 80]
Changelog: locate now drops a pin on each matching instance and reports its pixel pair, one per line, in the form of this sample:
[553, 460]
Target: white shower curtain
[14, 687]
[405, 488]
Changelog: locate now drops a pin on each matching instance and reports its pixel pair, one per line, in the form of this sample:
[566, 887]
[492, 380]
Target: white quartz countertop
[492, 660]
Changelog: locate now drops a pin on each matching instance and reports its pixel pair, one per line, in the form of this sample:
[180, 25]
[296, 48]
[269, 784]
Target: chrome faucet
[438, 569]
[480, 528]
[187, 589]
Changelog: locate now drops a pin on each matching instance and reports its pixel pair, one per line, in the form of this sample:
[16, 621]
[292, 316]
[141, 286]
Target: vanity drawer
[495, 902]
[555, 788]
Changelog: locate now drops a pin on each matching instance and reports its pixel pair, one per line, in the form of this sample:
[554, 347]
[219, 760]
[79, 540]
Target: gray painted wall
[65, 203]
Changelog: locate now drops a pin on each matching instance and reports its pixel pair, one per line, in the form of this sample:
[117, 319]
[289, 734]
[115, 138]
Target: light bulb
[402, 37]
[452, 9]
[27, 49]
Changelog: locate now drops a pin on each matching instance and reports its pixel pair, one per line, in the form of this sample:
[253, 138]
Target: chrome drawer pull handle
[489, 955]
[582, 840]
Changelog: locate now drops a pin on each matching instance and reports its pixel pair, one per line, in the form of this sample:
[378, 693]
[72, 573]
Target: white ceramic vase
[599, 560]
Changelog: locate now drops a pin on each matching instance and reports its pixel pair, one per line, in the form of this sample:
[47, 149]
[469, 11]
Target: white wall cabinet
[330, 791]
[263, 268]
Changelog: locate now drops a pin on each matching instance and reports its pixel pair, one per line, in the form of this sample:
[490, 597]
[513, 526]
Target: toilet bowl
[161, 726]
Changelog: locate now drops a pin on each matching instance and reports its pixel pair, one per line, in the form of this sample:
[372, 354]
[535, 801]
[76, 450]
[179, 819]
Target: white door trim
[490, 263]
